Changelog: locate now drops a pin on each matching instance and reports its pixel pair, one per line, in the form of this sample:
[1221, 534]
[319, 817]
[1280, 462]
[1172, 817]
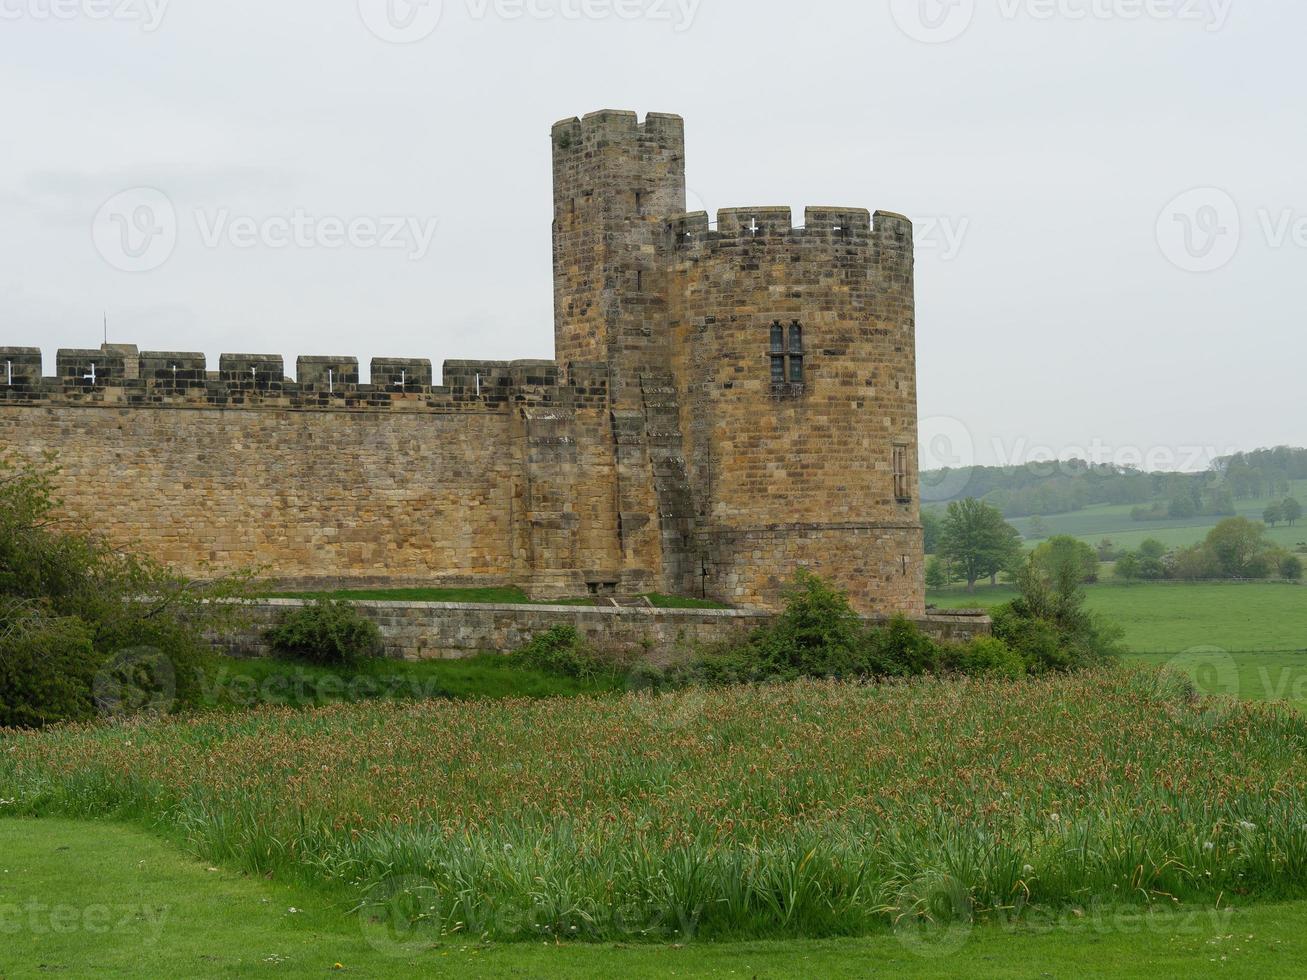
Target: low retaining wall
[452, 631]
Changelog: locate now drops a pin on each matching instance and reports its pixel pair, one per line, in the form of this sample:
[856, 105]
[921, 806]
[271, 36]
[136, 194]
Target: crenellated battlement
[616, 125]
[839, 226]
[170, 379]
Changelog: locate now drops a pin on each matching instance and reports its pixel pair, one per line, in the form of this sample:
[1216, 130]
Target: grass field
[803, 811]
[231, 683]
[1093, 524]
[1174, 617]
[94, 899]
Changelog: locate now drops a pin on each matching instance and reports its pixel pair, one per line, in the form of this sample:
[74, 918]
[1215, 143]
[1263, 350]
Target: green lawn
[1173, 617]
[234, 683]
[92, 899]
[1255, 676]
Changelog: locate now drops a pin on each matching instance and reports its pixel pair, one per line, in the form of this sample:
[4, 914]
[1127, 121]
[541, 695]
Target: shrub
[818, 635]
[986, 656]
[1048, 625]
[329, 633]
[61, 586]
[1291, 567]
[47, 668]
[561, 650]
[900, 649]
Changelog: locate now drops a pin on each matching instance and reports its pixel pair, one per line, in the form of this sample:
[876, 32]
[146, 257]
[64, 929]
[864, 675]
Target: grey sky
[1039, 150]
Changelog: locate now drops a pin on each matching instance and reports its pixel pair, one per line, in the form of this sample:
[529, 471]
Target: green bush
[1291, 567]
[900, 649]
[561, 650]
[329, 633]
[62, 586]
[47, 668]
[986, 656]
[818, 635]
[1049, 626]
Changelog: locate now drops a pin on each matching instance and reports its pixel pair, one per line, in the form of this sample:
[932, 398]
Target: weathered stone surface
[724, 410]
[452, 631]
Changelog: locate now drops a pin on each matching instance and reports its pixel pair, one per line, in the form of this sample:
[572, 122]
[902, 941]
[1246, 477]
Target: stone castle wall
[326, 479]
[453, 631]
[660, 453]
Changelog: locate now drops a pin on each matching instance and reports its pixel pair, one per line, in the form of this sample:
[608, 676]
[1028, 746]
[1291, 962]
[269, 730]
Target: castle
[727, 405]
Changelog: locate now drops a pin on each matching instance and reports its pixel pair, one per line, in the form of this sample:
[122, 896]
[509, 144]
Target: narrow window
[796, 369]
[639, 203]
[796, 353]
[781, 352]
[902, 490]
[639, 281]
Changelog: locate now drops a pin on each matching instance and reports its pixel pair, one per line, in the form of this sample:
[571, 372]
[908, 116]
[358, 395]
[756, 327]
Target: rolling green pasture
[1173, 617]
[1093, 524]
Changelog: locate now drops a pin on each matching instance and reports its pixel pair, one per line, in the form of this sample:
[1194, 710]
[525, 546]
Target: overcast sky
[1109, 194]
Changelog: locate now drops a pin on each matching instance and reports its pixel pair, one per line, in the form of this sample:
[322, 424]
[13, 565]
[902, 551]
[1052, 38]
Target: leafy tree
[937, 573]
[977, 541]
[85, 625]
[931, 525]
[1128, 568]
[1291, 511]
[1239, 548]
[1291, 568]
[1182, 507]
[1195, 564]
[1064, 550]
[1273, 514]
[1152, 548]
[1049, 625]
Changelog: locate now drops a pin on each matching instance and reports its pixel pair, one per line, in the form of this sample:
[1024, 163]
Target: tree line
[972, 541]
